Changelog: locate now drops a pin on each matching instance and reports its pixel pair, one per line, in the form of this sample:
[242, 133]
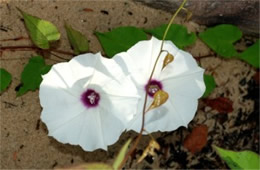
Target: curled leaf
[160, 97]
[41, 32]
[239, 160]
[168, 59]
[77, 40]
[195, 141]
[221, 104]
[5, 79]
[121, 155]
[149, 150]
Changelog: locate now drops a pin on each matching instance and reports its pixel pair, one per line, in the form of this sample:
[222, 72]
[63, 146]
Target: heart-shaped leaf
[239, 160]
[149, 150]
[5, 79]
[31, 76]
[77, 40]
[120, 39]
[221, 38]
[210, 85]
[251, 55]
[41, 32]
[178, 34]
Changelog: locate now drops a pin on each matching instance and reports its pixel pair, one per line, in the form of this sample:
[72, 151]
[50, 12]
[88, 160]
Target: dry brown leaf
[195, 141]
[221, 104]
[149, 150]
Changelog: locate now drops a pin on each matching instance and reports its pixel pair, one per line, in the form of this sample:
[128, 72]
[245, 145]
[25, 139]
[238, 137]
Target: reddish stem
[205, 56]
[21, 48]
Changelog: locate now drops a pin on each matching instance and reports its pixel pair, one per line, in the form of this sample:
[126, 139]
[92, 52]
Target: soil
[24, 140]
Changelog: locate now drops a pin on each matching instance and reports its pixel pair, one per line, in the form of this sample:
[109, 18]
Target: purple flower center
[152, 87]
[90, 98]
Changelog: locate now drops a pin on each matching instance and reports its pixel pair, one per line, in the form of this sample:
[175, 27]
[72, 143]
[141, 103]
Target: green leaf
[120, 39]
[77, 40]
[31, 76]
[221, 38]
[41, 32]
[99, 166]
[210, 85]
[178, 34]
[120, 157]
[251, 55]
[5, 79]
[239, 160]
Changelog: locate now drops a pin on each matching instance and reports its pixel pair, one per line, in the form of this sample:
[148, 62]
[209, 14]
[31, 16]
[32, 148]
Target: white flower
[87, 101]
[182, 79]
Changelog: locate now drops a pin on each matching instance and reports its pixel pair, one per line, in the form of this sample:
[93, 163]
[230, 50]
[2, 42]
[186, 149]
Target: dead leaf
[197, 139]
[221, 104]
[149, 150]
[160, 97]
[88, 10]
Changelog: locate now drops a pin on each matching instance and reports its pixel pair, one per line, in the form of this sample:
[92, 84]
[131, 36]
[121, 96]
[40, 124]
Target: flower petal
[83, 130]
[190, 85]
[182, 65]
[57, 116]
[168, 117]
[140, 59]
[83, 65]
[111, 126]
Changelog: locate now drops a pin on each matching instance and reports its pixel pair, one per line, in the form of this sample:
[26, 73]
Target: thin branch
[58, 56]
[198, 58]
[16, 39]
[29, 48]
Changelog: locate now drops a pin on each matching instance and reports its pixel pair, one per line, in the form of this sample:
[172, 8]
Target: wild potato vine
[221, 39]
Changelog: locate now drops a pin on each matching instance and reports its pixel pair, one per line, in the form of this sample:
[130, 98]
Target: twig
[16, 39]
[58, 56]
[198, 58]
[28, 48]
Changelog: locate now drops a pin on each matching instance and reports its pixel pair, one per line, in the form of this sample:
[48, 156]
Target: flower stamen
[90, 98]
[152, 87]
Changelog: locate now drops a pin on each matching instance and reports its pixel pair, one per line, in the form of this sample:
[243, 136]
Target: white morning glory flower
[182, 79]
[87, 101]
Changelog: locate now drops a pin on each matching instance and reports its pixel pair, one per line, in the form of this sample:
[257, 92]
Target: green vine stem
[132, 149]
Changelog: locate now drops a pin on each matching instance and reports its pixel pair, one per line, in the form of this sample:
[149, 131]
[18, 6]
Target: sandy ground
[24, 140]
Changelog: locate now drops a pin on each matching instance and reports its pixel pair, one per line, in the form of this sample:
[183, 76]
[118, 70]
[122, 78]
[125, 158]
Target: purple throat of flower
[152, 87]
[90, 98]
